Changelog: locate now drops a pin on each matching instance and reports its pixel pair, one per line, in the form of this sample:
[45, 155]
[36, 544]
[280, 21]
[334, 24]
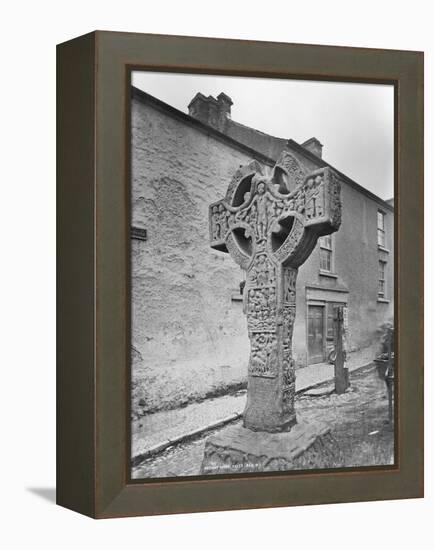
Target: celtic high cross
[270, 225]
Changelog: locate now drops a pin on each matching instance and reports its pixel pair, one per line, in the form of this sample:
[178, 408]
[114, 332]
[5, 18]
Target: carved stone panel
[263, 358]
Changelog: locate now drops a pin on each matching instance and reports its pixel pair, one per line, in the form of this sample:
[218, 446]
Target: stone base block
[238, 450]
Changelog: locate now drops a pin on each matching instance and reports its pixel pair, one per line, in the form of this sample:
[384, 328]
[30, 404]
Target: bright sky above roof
[353, 121]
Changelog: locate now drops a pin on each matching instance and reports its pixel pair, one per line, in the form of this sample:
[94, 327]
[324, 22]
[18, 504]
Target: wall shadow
[47, 493]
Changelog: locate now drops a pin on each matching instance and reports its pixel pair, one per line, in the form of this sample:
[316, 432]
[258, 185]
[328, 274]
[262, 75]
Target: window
[381, 279]
[381, 236]
[326, 253]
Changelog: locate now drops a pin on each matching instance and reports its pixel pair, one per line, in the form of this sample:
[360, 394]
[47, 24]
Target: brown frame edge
[93, 272]
[75, 405]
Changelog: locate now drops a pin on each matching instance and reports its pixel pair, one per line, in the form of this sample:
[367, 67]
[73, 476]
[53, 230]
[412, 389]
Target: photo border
[128, 182]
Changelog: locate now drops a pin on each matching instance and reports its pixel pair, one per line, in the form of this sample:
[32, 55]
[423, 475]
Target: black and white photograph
[262, 275]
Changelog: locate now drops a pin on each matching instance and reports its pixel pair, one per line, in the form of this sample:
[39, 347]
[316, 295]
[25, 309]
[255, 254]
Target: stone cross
[270, 224]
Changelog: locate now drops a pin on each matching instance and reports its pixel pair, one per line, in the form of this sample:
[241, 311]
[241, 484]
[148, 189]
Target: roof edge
[144, 97]
[347, 179]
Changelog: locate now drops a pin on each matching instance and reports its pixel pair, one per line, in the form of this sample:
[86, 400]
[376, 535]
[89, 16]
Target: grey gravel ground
[155, 429]
[358, 419]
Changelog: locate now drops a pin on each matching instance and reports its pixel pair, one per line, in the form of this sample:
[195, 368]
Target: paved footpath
[155, 432]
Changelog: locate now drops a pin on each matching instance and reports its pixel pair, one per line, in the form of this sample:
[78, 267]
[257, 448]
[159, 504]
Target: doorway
[315, 331]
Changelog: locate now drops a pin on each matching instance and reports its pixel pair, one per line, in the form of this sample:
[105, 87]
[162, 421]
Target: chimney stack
[211, 111]
[225, 104]
[314, 146]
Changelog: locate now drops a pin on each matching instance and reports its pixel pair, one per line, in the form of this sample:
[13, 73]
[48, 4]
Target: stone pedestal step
[239, 450]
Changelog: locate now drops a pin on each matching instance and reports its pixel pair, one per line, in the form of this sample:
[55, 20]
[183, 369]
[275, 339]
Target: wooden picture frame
[93, 366]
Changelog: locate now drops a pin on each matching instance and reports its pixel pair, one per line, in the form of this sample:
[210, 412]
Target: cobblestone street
[358, 419]
[160, 428]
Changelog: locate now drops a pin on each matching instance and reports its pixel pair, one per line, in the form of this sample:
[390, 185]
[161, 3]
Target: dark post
[341, 371]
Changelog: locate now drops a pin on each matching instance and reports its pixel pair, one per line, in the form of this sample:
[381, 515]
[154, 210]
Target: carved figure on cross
[270, 224]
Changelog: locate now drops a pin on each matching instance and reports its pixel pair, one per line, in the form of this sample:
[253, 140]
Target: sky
[353, 121]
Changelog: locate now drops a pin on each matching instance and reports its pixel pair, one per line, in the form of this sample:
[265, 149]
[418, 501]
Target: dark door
[315, 336]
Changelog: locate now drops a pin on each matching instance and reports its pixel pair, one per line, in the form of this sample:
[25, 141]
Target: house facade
[189, 333]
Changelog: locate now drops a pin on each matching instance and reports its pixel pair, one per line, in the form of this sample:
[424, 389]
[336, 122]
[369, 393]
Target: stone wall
[190, 334]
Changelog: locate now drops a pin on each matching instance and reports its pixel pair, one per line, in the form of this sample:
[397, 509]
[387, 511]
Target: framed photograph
[240, 274]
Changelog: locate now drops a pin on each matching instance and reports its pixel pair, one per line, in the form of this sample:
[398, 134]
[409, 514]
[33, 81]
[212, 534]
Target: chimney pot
[314, 146]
